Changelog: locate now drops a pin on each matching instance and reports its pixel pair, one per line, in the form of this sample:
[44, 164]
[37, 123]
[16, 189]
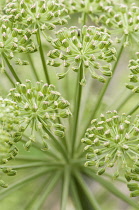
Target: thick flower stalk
[33, 14]
[91, 46]
[134, 75]
[112, 141]
[40, 106]
[123, 20]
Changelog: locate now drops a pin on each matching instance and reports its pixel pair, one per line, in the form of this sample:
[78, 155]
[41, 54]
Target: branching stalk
[77, 107]
[42, 56]
[11, 68]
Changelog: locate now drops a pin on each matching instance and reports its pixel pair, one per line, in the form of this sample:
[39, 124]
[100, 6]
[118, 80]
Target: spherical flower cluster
[123, 19]
[134, 75]
[40, 106]
[8, 124]
[113, 141]
[91, 47]
[13, 40]
[33, 14]
[86, 6]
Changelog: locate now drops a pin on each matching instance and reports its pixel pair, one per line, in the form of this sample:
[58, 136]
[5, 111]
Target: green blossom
[92, 47]
[13, 40]
[112, 141]
[134, 75]
[8, 125]
[88, 7]
[36, 14]
[40, 105]
[122, 19]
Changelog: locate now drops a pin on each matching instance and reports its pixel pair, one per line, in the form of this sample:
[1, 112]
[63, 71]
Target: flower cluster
[122, 19]
[33, 14]
[113, 141]
[91, 47]
[134, 75]
[13, 40]
[8, 124]
[87, 6]
[40, 106]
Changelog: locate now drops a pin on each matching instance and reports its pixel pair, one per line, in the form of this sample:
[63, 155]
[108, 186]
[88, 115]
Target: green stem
[133, 110]
[33, 67]
[41, 188]
[65, 190]
[124, 102]
[77, 107]
[25, 158]
[47, 190]
[21, 182]
[59, 146]
[9, 78]
[87, 192]
[32, 165]
[98, 104]
[11, 68]
[110, 187]
[49, 153]
[75, 196]
[42, 56]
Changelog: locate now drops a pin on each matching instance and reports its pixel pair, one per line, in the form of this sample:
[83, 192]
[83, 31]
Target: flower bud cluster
[37, 104]
[111, 141]
[86, 6]
[14, 40]
[134, 75]
[33, 14]
[123, 19]
[8, 124]
[92, 47]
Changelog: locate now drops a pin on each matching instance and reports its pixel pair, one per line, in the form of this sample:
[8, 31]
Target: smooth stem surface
[59, 145]
[33, 67]
[98, 104]
[47, 190]
[32, 165]
[110, 187]
[18, 184]
[77, 108]
[42, 57]
[124, 101]
[65, 190]
[75, 196]
[29, 204]
[9, 78]
[11, 68]
[133, 110]
[87, 192]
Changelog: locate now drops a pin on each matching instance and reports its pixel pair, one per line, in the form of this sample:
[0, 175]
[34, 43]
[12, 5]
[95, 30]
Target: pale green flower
[122, 20]
[40, 105]
[112, 141]
[91, 46]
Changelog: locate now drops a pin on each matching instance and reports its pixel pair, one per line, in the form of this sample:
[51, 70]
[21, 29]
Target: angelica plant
[68, 109]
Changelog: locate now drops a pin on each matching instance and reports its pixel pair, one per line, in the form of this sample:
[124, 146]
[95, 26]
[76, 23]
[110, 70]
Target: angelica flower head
[88, 7]
[134, 75]
[8, 126]
[112, 140]
[38, 105]
[13, 40]
[122, 19]
[91, 46]
[33, 14]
